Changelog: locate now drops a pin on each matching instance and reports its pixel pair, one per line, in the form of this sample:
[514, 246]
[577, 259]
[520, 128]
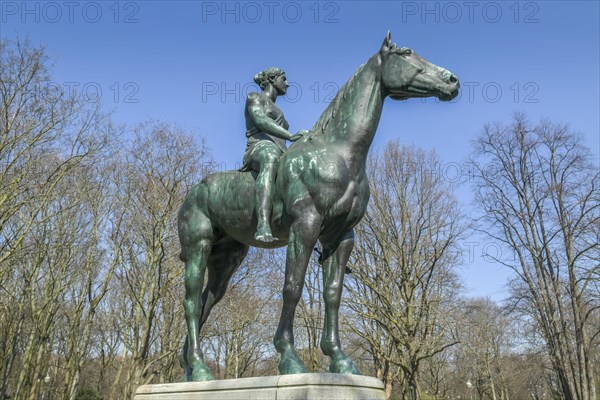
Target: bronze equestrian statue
[321, 192]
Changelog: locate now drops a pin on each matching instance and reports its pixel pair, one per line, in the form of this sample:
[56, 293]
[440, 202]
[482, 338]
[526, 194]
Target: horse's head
[405, 75]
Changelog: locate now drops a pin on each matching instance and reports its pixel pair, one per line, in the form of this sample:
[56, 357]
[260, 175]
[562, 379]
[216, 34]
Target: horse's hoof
[187, 372]
[202, 373]
[344, 366]
[263, 234]
[291, 364]
[265, 238]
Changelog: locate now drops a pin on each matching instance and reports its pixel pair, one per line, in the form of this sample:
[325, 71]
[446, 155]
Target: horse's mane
[331, 110]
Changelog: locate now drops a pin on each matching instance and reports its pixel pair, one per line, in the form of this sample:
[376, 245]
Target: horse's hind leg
[195, 266]
[224, 261]
[196, 235]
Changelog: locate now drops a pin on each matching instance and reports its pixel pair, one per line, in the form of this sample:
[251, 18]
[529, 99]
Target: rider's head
[269, 75]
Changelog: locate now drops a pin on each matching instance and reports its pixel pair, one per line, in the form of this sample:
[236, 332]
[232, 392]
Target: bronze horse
[321, 193]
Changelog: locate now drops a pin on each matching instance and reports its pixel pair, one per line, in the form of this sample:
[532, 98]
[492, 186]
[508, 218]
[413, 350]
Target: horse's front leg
[303, 236]
[334, 267]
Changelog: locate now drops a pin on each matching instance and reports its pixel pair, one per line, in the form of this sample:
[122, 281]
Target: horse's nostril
[453, 79]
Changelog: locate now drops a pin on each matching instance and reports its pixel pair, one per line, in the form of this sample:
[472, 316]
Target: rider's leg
[265, 182]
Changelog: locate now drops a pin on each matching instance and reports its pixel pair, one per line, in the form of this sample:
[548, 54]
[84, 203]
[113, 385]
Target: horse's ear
[387, 42]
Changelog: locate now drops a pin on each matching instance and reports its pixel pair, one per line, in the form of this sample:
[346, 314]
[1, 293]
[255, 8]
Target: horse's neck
[354, 114]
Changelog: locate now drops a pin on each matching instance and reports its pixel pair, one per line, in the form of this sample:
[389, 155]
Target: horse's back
[230, 193]
[225, 200]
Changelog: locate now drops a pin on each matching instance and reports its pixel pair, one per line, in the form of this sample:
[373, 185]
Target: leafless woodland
[91, 283]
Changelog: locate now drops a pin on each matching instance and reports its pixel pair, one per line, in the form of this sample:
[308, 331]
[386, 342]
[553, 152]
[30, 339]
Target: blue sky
[192, 63]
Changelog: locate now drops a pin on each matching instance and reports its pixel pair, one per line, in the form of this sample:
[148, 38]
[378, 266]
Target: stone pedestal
[284, 387]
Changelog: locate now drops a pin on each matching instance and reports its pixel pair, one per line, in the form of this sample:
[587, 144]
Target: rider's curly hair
[263, 78]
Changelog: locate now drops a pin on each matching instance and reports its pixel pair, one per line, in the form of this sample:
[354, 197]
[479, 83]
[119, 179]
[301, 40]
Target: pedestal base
[284, 387]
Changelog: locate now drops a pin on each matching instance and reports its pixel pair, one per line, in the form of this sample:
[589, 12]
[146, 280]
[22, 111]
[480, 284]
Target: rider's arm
[262, 120]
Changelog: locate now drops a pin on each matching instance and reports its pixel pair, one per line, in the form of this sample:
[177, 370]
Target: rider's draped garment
[257, 138]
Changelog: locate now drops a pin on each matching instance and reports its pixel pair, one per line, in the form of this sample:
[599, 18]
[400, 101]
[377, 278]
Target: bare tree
[46, 138]
[58, 273]
[439, 373]
[485, 342]
[404, 282]
[540, 198]
[161, 165]
[44, 132]
[99, 260]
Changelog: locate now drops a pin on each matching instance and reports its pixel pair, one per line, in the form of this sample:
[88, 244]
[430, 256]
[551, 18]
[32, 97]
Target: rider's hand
[298, 135]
